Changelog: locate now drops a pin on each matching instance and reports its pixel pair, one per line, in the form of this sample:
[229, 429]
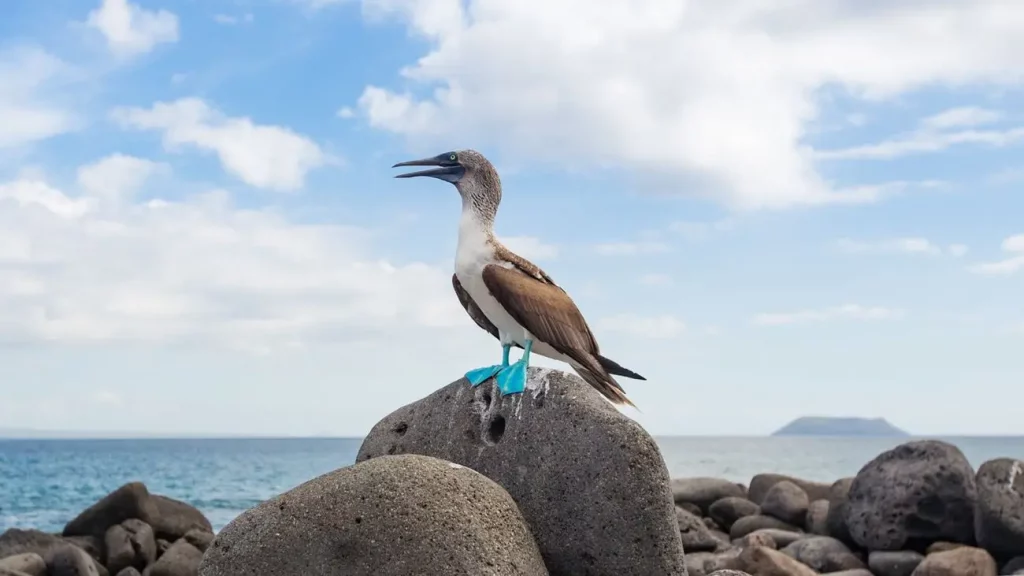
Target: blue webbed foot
[512, 380]
[478, 376]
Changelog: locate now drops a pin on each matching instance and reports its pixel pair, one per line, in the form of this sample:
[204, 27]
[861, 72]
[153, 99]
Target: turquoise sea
[44, 483]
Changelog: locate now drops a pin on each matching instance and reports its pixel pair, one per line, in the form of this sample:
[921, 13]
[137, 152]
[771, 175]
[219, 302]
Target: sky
[768, 209]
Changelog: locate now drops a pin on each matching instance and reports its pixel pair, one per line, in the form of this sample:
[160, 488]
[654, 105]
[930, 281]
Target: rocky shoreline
[556, 481]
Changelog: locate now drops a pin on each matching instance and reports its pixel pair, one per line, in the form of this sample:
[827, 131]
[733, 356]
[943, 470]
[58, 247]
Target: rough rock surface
[762, 483]
[181, 559]
[911, 495]
[1014, 566]
[388, 516]
[824, 554]
[558, 449]
[176, 518]
[130, 543]
[837, 503]
[28, 563]
[726, 511]
[695, 535]
[816, 521]
[787, 502]
[702, 491]
[963, 561]
[70, 560]
[894, 563]
[767, 562]
[129, 501]
[999, 511]
[748, 524]
[18, 541]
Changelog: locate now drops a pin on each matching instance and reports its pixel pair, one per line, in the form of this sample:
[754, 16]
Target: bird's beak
[444, 171]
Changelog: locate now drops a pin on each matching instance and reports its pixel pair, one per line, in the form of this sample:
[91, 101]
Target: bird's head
[470, 172]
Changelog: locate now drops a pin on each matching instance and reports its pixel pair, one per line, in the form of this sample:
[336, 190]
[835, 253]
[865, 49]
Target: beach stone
[854, 572]
[722, 560]
[724, 542]
[131, 500]
[748, 524]
[695, 535]
[816, 520]
[911, 495]
[161, 547]
[823, 553]
[691, 508]
[17, 541]
[175, 518]
[92, 545]
[695, 562]
[29, 563]
[199, 538]
[894, 563]
[393, 515]
[999, 509]
[70, 560]
[181, 559]
[759, 538]
[1014, 567]
[942, 546]
[963, 561]
[129, 571]
[787, 502]
[591, 482]
[782, 538]
[767, 562]
[702, 491]
[728, 510]
[728, 573]
[762, 483]
[130, 543]
[838, 500]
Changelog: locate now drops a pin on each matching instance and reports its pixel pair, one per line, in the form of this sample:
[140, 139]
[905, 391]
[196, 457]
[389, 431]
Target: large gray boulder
[389, 516]
[131, 500]
[762, 483]
[999, 513]
[590, 482]
[912, 495]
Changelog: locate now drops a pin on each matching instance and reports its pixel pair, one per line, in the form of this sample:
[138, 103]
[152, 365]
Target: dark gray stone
[816, 520]
[129, 571]
[854, 572]
[894, 562]
[388, 516]
[748, 524]
[199, 538]
[1014, 567]
[823, 553]
[590, 482]
[837, 504]
[129, 501]
[130, 543]
[911, 495]
[92, 545]
[181, 559]
[691, 508]
[175, 518]
[70, 560]
[17, 541]
[999, 510]
[963, 561]
[703, 491]
[728, 510]
[143, 541]
[762, 483]
[695, 535]
[29, 563]
[782, 538]
[161, 547]
[787, 502]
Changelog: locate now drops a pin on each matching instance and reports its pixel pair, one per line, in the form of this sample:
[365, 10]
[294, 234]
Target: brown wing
[542, 308]
[472, 309]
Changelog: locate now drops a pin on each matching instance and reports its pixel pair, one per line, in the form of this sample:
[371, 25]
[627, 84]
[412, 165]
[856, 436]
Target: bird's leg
[478, 376]
[512, 380]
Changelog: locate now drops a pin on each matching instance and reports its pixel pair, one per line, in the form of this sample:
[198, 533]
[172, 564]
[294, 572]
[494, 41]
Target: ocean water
[45, 483]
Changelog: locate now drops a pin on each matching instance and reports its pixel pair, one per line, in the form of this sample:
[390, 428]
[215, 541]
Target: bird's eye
[452, 156]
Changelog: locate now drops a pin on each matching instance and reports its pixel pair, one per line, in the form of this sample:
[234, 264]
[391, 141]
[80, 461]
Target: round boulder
[816, 521]
[703, 491]
[999, 513]
[390, 515]
[911, 495]
[962, 561]
[748, 524]
[787, 502]
[726, 511]
[824, 554]
[894, 563]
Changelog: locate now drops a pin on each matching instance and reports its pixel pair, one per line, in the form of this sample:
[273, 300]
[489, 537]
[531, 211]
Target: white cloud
[230, 20]
[631, 248]
[908, 245]
[657, 327]
[530, 248]
[130, 29]
[844, 312]
[28, 110]
[77, 268]
[1014, 262]
[318, 4]
[961, 117]
[264, 156]
[718, 94]
[656, 279]
[346, 112]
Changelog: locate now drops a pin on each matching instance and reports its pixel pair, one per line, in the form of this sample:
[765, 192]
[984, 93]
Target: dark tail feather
[591, 370]
[613, 367]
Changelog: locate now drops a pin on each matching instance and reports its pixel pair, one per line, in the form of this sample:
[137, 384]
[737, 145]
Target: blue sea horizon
[45, 482]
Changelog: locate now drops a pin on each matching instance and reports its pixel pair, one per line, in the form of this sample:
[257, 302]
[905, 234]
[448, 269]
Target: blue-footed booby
[509, 296]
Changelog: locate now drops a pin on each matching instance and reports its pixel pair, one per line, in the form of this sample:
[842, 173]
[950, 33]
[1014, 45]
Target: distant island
[829, 426]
